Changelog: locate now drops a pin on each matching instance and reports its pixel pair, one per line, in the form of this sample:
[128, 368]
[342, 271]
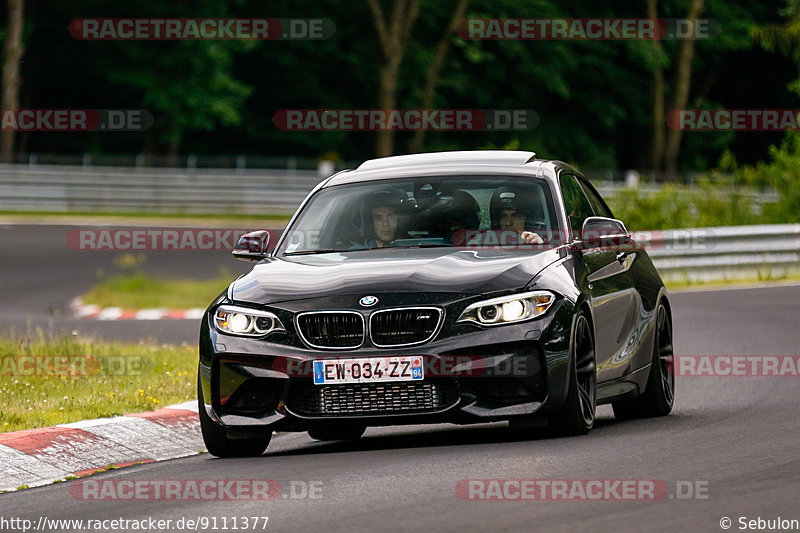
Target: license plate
[368, 370]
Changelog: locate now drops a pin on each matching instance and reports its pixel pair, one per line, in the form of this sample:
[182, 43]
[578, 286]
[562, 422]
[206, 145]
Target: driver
[384, 225]
[510, 213]
[512, 219]
[381, 219]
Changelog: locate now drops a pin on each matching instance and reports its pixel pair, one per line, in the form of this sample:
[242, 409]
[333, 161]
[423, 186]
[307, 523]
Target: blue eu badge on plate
[319, 372]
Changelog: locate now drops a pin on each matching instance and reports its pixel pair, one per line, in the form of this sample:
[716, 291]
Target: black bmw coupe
[460, 287]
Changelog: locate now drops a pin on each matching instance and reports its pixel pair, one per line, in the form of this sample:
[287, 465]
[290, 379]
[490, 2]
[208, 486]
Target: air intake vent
[372, 398]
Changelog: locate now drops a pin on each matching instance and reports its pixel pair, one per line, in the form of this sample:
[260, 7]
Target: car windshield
[423, 212]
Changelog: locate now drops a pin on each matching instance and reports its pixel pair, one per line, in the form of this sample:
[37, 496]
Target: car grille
[372, 398]
[332, 330]
[397, 327]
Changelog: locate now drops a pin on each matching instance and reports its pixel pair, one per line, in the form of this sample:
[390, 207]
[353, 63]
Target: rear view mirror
[252, 246]
[602, 232]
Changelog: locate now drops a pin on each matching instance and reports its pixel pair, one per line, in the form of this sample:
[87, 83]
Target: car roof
[440, 163]
[476, 157]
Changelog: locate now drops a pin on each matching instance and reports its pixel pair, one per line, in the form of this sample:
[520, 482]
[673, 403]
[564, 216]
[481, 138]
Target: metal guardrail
[36, 187]
[701, 254]
[724, 253]
[153, 190]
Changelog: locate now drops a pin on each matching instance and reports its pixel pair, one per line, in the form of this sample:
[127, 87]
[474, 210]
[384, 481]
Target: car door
[608, 281]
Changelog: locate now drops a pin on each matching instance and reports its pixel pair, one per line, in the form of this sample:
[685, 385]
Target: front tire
[217, 442]
[659, 393]
[576, 416]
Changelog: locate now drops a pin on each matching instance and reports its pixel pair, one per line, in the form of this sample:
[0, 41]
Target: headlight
[246, 322]
[508, 309]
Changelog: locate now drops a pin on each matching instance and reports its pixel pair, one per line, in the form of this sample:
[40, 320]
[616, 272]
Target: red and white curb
[35, 457]
[95, 312]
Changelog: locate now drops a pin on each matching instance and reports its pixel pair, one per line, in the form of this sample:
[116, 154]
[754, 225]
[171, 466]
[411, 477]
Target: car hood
[390, 271]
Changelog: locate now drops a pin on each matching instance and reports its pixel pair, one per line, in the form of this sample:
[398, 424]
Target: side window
[575, 202]
[598, 205]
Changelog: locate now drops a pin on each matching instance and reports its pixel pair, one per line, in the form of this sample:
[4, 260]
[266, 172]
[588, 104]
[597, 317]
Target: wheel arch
[664, 299]
[585, 306]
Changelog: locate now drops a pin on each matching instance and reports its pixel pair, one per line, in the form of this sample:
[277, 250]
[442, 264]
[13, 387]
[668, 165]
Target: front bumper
[516, 371]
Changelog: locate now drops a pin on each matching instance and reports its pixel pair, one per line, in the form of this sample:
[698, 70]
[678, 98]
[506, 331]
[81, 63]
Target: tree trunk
[657, 150]
[683, 78]
[393, 35]
[387, 99]
[12, 54]
[432, 74]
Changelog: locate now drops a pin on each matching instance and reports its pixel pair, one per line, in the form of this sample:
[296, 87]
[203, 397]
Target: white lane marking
[151, 314]
[18, 468]
[147, 438]
[190, 405]
[86, 310]
[110, 313]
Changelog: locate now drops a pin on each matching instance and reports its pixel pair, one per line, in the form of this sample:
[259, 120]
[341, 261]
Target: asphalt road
[735, 440]
[40, 274]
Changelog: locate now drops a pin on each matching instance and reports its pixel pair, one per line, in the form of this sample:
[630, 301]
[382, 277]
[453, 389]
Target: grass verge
[88, 379]
[683, 283]
[142, 291]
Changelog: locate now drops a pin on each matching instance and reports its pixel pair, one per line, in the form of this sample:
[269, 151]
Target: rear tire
[337, 433]
[659, 394]
[576, 416]
[217, 442]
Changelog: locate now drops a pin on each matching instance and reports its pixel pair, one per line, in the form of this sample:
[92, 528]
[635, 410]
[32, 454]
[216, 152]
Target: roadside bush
[723, 197]
[683, 206]
[781, 174]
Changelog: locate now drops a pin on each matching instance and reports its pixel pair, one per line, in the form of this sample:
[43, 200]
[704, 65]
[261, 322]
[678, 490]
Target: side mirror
[252, 246]
[602, 232]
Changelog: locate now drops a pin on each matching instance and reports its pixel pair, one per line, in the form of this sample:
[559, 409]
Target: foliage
[781, 175]
[683, 206]
[593, 97]
[723, 197]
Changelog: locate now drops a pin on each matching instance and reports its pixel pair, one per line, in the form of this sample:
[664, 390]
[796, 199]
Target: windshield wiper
[312, 252]
[332, 250]
[420, 245]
